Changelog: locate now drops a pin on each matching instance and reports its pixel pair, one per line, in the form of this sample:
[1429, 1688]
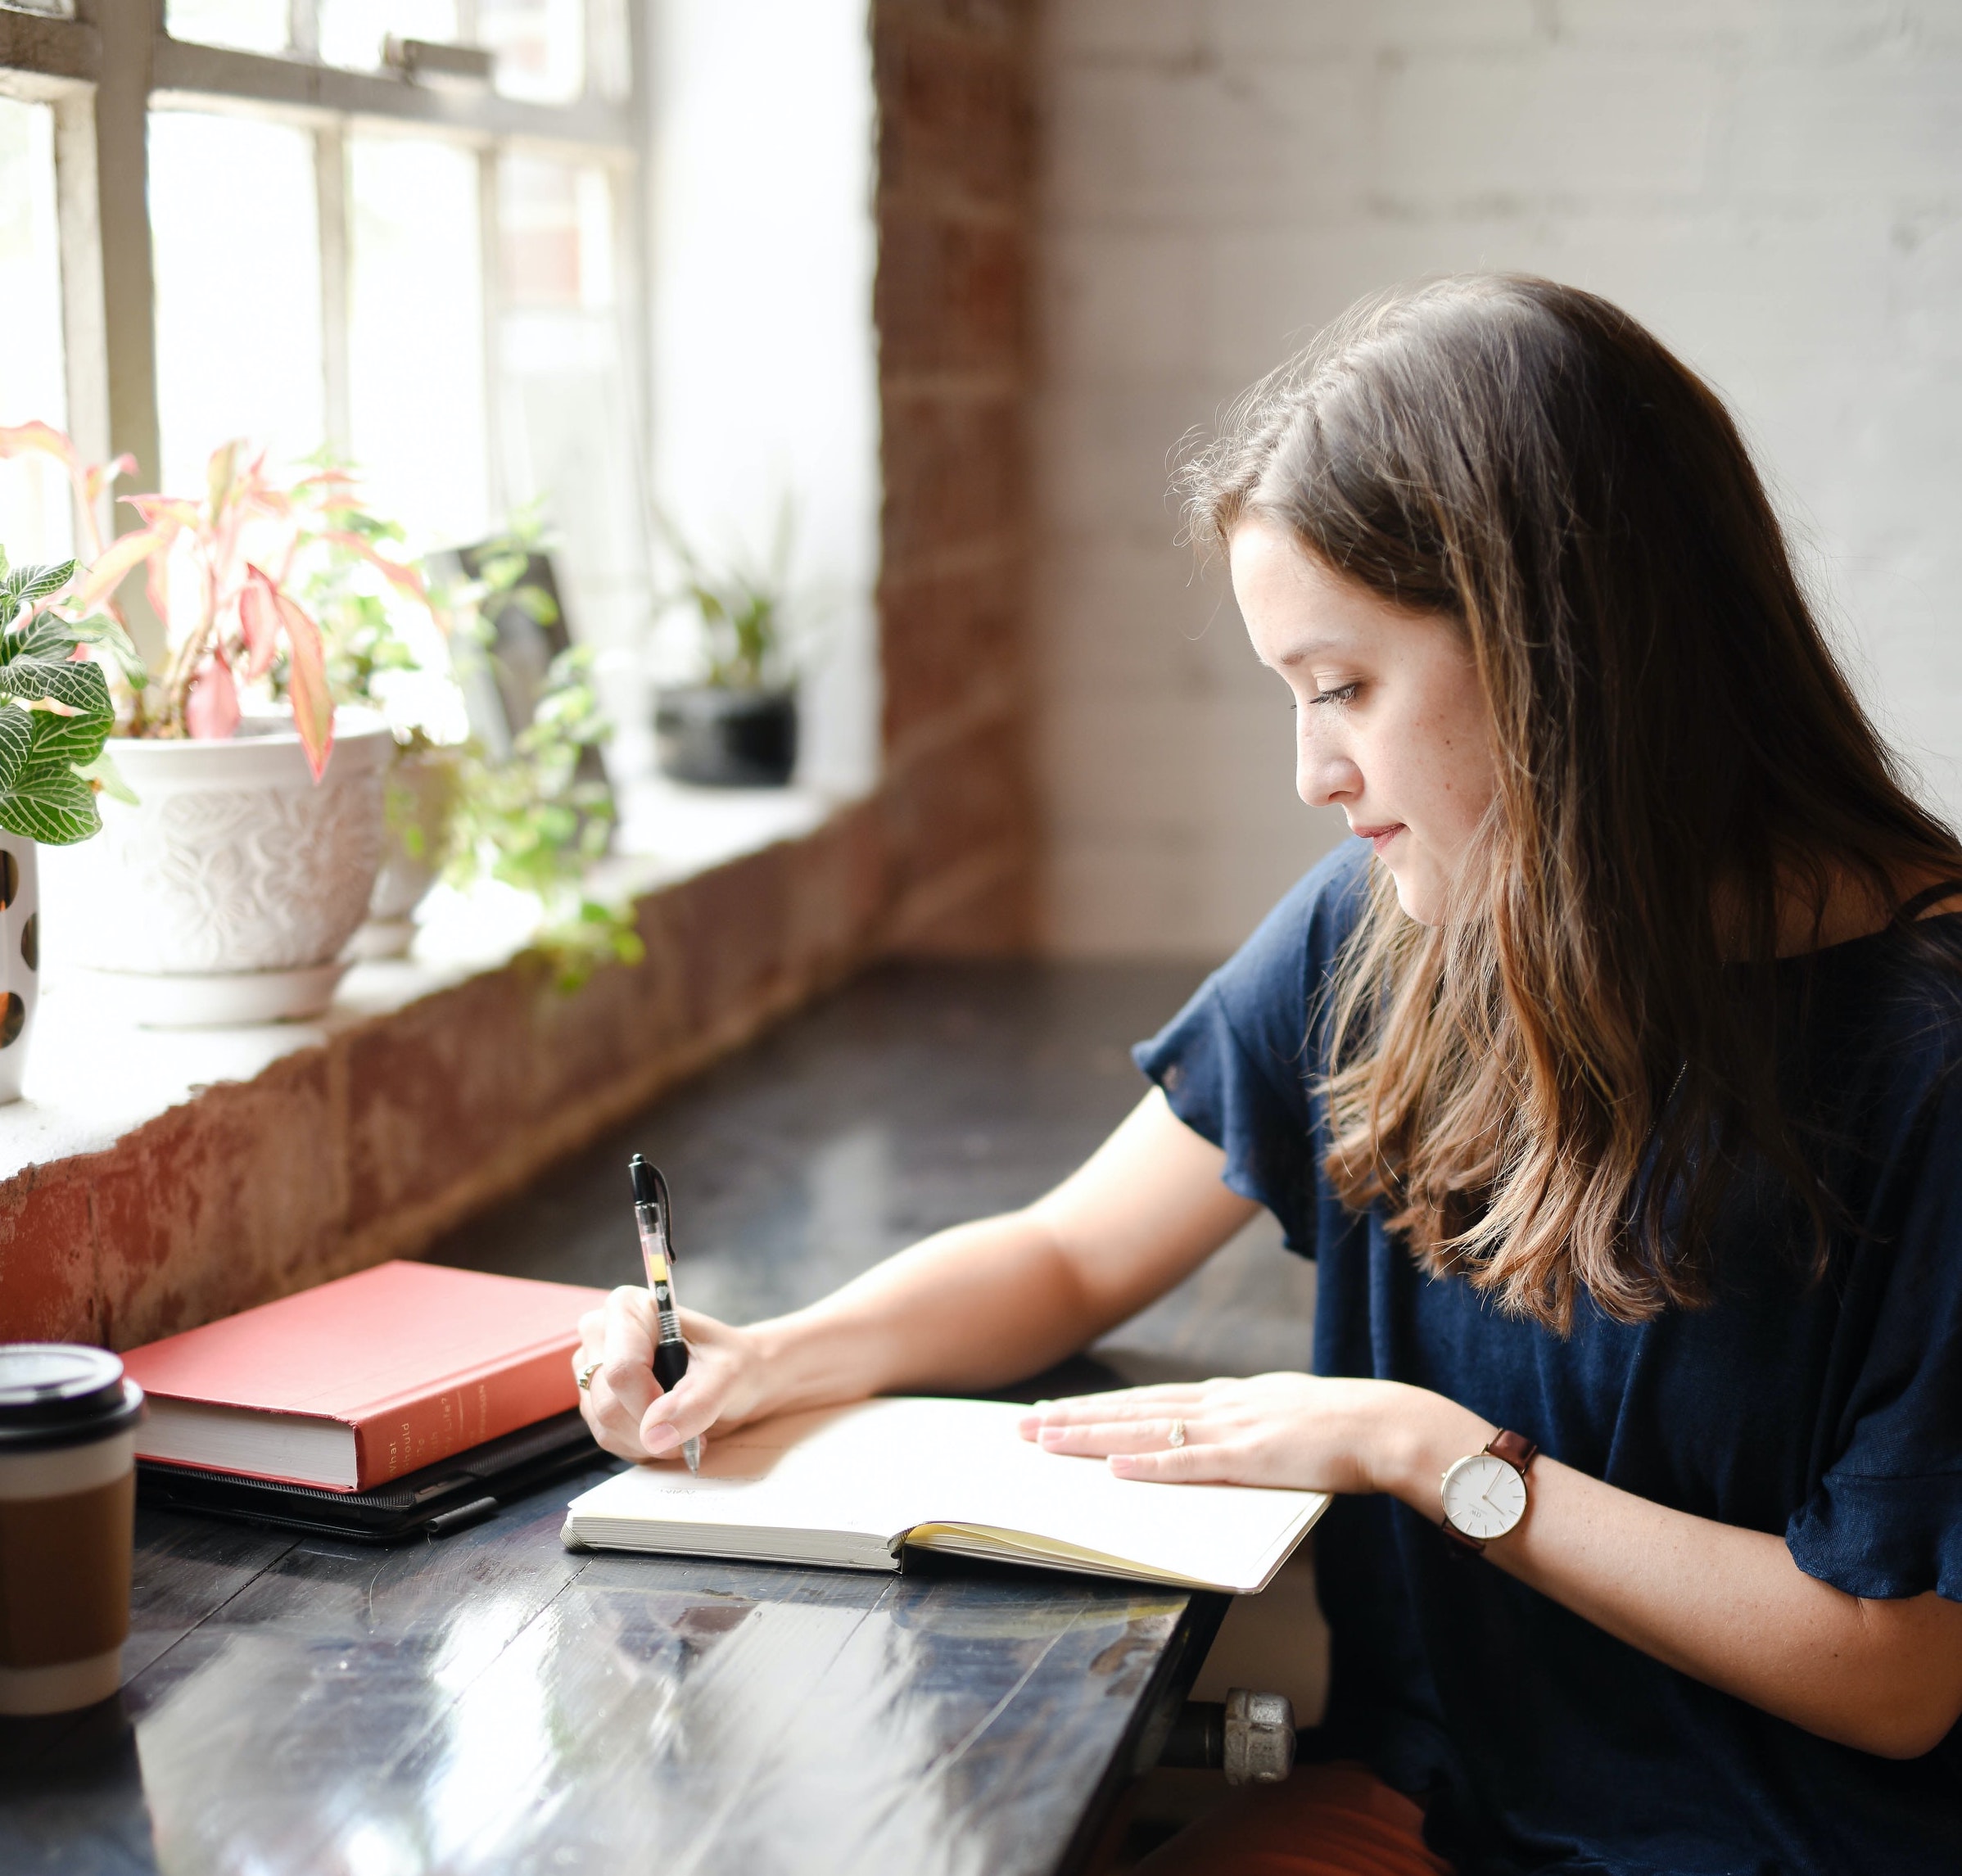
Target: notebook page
[884, 1467]
[990, 1478]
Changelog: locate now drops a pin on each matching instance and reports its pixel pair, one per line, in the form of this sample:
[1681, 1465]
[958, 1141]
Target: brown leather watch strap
[1515, 1449]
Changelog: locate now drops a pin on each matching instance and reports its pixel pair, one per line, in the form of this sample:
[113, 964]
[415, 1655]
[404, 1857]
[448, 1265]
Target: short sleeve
[1885, 1520]
[1237, 1063]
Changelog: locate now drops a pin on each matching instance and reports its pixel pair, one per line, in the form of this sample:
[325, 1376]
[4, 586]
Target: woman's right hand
[625, 1406]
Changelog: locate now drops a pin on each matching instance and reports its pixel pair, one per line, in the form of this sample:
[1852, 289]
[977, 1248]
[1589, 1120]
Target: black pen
[652, 1214]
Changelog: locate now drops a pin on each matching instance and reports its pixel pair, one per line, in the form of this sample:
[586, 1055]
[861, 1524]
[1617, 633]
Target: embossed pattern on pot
[235, 860]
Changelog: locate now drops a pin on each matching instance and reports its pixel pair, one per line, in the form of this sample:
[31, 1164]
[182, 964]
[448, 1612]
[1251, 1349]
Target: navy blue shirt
[1827, 1411]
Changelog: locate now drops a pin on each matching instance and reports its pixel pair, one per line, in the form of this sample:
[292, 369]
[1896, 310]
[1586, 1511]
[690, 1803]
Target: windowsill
[93, 1077]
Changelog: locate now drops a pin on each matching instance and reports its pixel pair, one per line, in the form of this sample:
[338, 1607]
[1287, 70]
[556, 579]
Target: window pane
[35, 520]
[540, 47]
[416, 338]
[351, 31]
[234, 215]
[252, 25]
[610, 55]
[567, 406]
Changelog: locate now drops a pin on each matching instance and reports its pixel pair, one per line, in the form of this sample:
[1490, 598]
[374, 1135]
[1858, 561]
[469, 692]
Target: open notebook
[851, 1486]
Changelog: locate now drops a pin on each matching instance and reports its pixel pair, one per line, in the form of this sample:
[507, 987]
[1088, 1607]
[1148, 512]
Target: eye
[1342, 693]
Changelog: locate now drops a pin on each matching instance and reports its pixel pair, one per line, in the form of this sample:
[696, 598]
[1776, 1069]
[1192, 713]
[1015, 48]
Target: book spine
[413, 1431]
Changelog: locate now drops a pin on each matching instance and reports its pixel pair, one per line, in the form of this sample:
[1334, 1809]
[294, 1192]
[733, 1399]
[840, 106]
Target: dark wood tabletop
[491, 1701]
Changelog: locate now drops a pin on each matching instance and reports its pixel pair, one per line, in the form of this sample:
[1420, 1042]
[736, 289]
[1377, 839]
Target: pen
[652, 1214]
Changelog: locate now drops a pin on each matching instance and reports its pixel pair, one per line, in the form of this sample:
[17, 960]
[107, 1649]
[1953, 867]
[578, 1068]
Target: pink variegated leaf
[157, 508]
[98, 476]
[405, 579]
[19, 439]
[305, 672]
[330, 481]
[221, 475]
[258, 620]
[211, 710]
[306, 682]
[117, 559]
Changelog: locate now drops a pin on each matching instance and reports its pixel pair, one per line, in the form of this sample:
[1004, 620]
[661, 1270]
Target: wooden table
[492, 1702]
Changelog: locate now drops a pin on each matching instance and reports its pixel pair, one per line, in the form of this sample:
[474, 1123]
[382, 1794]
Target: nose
[1324, 776]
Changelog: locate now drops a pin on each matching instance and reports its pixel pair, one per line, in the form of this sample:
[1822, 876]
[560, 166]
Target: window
[418, 256]
[34, 521]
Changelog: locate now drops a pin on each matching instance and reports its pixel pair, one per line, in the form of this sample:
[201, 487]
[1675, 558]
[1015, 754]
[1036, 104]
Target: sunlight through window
[234, 218]
[35, 522]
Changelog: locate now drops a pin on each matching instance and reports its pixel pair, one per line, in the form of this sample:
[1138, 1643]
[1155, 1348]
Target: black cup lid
[52, 1392]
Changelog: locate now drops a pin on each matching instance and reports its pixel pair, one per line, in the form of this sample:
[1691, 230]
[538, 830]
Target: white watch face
[1484, 1496]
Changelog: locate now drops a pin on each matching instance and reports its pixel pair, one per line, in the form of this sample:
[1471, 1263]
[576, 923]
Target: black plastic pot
[726, 738]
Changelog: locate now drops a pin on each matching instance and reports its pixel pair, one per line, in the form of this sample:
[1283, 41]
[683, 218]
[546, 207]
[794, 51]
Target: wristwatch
[1485, 1493]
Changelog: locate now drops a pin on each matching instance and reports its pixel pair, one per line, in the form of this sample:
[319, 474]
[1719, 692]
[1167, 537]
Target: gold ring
[587, 1372]
[1177, 1437]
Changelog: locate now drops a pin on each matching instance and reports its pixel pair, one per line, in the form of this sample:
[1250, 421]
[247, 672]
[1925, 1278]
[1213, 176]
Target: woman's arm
[1724, 1605]
[974, 1307]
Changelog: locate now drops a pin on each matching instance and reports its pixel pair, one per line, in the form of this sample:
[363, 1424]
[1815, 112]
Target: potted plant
[386, 635]
[737, 728]
[227, 891]
[523, 801]
[55, 716]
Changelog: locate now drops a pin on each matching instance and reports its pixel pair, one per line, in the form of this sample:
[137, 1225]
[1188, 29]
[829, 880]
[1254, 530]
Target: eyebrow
[1314, 648]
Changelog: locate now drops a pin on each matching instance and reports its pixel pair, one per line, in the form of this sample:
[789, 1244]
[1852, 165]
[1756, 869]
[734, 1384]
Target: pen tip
[691, 1453]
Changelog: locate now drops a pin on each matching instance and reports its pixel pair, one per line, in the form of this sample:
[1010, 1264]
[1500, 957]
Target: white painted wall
[1775, 185]
[765, 381]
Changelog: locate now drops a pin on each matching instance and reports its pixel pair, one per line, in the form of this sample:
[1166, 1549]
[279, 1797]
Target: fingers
[1099, 1438]
[689, 1408]
[1186, 1465]
[1161, 1404]
[620, 1338]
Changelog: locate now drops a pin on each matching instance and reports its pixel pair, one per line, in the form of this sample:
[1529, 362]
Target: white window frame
[102, 70]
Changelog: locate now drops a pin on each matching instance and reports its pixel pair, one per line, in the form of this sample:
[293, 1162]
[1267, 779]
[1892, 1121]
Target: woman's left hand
[1308, 1431]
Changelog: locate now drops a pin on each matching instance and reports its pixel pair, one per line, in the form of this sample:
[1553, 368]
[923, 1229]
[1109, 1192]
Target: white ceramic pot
[229, 894]
[420, 796]
[20, 956]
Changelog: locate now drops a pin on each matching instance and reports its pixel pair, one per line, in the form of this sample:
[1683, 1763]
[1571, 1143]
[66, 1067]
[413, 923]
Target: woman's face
[1389, 724]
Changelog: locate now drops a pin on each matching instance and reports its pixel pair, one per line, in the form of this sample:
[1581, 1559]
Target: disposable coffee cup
[67, 1511]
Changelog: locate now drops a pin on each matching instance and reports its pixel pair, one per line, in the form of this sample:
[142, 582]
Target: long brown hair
[1551, 1088]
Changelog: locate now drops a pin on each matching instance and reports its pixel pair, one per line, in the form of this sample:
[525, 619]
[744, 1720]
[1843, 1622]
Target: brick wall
[955, 237]
[394, 1127]
[1778, 189]
[399, 1125]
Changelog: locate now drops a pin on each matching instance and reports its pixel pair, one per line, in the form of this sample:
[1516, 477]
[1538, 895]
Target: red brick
[951, 295]
[837, 903]
[941, 635]
[954, 112]
[435, 1090]
[956, 472]
[48, 1286]
[731, 926]
[232, 1198]
[993, 919]
[968, 796]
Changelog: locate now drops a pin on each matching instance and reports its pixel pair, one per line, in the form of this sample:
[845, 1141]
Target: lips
[1379, 838]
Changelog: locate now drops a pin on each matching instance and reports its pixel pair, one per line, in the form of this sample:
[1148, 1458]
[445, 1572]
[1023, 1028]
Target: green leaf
[16, 742]
[101, 630]
[81, 687]
[56, 808]
[60, 741]
[104, 773]
[47, 637]
[27, 584]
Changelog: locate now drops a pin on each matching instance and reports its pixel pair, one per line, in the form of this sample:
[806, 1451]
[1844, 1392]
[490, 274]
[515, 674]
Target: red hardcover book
[355, 1383]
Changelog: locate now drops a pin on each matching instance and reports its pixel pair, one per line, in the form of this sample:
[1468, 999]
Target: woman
[1608, 1073]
